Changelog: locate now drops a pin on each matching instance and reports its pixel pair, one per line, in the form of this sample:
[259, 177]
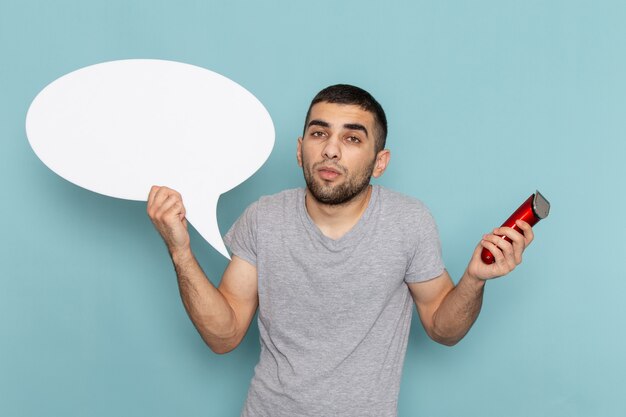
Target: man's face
[337, 153]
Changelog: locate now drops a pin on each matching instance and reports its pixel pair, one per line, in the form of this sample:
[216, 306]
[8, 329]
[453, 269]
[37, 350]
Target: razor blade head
[541, 206]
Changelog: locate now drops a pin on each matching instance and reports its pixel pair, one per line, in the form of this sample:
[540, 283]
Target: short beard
[340, 194]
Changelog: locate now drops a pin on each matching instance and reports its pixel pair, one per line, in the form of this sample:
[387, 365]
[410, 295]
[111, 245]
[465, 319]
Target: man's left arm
[448, 312]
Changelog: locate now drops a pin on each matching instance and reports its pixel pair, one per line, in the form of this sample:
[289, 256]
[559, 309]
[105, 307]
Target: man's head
[342, 145]
[349, 94]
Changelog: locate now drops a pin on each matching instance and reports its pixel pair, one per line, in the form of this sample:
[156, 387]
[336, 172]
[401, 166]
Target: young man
[334, 270]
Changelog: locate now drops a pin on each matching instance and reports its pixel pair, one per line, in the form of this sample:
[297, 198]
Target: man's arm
[221, 315]
[448, 312]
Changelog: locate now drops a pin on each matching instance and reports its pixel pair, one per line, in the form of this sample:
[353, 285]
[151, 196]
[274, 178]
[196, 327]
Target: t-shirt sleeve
[427, 262]
[241, 239]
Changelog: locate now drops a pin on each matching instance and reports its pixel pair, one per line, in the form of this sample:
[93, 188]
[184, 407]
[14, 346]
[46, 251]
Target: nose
[331, 148]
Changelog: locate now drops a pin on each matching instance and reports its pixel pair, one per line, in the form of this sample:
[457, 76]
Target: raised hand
[167, 212]
[507, 254]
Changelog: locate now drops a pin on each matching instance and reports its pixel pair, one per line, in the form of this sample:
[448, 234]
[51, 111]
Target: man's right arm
[221, 315]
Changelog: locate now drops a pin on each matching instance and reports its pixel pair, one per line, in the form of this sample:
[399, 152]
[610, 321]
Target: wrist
[473, 279]
[181, 255]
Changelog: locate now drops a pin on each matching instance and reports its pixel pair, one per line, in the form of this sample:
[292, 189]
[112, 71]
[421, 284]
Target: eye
[318, 134]
[353, 139]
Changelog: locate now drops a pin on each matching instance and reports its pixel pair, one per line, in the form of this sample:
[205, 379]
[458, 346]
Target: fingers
[162, 200]
[520, 239]
[514, 246]
[165, 207]
[150, 207]
[169, 207]
[167, 212]
[151, 195]
[507, 246]
[500, 266]
[503, 252]
[529, 235]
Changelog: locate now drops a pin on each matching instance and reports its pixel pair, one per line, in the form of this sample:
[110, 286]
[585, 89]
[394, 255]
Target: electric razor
[535, 208]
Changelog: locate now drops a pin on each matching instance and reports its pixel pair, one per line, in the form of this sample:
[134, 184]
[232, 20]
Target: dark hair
[349, 94]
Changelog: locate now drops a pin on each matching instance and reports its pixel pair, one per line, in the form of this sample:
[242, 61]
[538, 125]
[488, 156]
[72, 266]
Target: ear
[299, 152]
[382, 160]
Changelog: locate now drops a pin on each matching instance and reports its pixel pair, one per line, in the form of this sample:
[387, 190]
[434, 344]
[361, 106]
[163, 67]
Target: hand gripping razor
[535, 208]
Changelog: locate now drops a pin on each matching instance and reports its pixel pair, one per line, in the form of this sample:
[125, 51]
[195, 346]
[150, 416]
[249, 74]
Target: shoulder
[270, 203]
[405, 212]
[282, 200]
[395, 201]
[272, 208]
[285, 195]
[275, 200]
[266, 212]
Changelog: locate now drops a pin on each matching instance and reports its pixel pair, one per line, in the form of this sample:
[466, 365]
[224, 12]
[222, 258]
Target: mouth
[328, 173]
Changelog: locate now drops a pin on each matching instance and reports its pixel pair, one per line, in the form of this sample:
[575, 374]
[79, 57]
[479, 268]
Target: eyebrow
[350, 126]
[316, 122]
[356, 126]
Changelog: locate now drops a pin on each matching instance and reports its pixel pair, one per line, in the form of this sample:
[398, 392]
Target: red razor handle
[535, 208]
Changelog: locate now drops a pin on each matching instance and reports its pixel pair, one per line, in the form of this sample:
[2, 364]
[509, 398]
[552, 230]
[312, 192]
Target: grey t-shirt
[334, 315]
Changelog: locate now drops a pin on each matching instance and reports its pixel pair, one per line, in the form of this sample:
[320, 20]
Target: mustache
[324, 164]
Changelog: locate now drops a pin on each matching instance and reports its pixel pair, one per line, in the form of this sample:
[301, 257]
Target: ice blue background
[487, 100]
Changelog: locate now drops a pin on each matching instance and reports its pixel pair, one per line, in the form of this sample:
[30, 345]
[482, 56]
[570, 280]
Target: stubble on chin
[337, 194]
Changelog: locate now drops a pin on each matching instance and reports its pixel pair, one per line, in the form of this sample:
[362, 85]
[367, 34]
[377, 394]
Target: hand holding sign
[119, 127]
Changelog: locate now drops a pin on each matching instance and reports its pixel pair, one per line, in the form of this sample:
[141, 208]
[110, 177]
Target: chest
[303, 279]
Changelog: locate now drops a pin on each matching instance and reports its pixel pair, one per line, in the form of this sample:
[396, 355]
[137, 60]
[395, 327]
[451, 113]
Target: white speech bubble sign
[119, 127]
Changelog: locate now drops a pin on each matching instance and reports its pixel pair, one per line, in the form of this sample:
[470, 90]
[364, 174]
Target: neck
[334, 221]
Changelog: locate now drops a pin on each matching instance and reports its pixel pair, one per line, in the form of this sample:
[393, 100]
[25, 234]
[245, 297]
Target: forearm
[207, 308]
[458, 311]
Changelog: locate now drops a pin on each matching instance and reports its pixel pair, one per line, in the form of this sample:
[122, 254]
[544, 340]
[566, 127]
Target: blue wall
[487, 100]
